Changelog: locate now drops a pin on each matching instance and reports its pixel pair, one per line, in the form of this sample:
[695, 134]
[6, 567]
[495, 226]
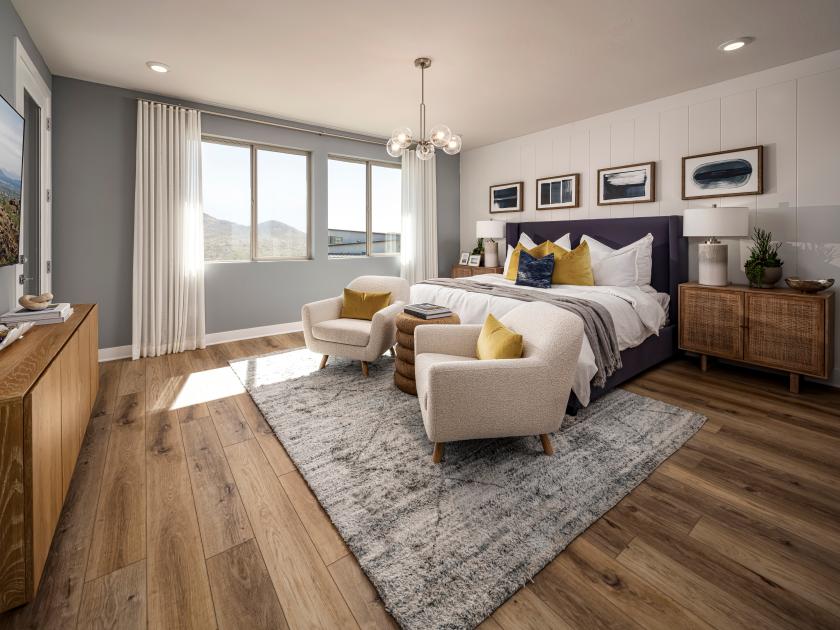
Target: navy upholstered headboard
[670, 248]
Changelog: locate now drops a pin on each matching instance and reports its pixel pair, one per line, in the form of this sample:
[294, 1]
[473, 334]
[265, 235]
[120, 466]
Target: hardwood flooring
[184, 511]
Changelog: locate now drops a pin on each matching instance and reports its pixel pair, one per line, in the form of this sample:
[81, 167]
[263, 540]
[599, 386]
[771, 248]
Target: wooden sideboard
[465, 271]
[48, 384]
[774, 328]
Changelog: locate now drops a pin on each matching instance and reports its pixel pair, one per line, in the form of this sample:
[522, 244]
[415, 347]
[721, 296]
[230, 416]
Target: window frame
[369, 164]
[254, 147]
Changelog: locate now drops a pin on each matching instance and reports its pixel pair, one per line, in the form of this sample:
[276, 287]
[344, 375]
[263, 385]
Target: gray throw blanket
[597, 321]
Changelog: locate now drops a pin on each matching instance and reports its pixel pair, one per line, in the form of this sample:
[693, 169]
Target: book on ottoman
[427, 311]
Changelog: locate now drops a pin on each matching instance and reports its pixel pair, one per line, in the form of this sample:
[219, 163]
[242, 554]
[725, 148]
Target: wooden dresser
[465, 271]
[48, 384]
[775, 328]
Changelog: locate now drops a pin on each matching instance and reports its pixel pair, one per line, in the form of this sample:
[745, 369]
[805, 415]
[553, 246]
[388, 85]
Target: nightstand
[774, 328]
[465, 271]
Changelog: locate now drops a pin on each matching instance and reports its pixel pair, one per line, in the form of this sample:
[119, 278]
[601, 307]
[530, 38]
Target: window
[364, 203]
[239, 225]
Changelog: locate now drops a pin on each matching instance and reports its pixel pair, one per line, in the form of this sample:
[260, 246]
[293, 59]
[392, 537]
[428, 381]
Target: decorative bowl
[809, 286]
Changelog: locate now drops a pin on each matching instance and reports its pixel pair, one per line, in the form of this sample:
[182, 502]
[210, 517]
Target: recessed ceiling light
[157, 66]
[735, 44]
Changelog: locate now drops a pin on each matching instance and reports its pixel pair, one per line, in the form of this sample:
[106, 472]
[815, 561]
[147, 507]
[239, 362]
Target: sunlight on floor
[208, 385]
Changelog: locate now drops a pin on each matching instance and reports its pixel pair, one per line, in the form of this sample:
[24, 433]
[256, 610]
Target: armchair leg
[437, 455]
[324, 361]
[365, 368]
[391, 350]
[546, 444]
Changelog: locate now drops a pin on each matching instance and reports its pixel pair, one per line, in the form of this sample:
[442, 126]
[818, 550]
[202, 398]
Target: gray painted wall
[93, 217]
[11, 27]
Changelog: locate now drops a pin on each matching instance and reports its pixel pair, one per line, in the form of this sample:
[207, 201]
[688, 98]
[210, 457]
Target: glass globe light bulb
[402, 136]
[425, 151]
[393, 148]
[440, 135]
[454, 145]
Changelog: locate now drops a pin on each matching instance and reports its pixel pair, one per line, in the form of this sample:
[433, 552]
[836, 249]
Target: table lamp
[711, 223]
[490, 231]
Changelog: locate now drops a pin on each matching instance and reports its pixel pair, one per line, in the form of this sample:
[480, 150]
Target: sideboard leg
[704, 362]
[794, 383]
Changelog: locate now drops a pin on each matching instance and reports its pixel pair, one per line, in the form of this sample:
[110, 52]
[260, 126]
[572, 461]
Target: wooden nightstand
[775, 328]
[465, 271]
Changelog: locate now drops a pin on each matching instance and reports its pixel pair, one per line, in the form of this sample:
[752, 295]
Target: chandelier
[440, 136]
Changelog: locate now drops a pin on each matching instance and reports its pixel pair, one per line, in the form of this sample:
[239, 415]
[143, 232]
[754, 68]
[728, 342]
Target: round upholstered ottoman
[404, 363]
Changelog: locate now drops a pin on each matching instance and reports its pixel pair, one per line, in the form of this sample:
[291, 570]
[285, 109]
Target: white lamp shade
[490, 229]
[726, 222]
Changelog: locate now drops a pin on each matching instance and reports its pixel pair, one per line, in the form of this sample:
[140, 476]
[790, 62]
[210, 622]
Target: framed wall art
[506, 197]
[723, 173]
[633, 183]
[560, 191]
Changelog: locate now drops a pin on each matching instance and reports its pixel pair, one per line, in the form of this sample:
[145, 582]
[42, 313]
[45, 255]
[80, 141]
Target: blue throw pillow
[535, 272]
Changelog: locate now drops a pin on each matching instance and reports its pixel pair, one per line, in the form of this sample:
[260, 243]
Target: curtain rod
[328, 134]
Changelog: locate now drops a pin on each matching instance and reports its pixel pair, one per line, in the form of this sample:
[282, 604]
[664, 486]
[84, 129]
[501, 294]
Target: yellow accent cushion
[497, 341]
[513, 267]
[570, 267]
[363, 304]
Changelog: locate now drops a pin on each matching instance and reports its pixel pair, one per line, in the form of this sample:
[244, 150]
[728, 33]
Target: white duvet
[637, 314]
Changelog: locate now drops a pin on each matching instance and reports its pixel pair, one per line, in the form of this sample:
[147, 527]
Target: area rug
[446, 544]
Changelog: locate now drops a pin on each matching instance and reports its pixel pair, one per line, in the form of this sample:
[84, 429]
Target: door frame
[28, 78]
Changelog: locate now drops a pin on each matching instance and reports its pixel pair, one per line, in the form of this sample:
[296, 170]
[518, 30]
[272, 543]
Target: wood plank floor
[185, 512]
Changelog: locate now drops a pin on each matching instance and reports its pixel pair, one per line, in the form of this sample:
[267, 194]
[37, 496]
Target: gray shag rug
[446, 544]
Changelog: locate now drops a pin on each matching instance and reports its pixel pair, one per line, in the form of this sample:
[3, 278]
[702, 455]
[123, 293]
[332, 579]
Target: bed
[645, 339]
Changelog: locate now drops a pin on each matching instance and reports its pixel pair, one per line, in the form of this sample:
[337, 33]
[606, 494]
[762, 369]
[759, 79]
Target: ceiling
[501, 68]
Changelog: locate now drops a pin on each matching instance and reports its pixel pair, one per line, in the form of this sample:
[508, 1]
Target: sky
[282, 189]
[11, 136]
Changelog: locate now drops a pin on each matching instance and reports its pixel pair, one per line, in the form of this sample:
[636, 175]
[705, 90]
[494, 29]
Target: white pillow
[644, 255]
[616, 270]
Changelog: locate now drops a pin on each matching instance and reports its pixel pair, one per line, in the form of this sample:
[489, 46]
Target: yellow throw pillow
[570, 267]
[513, 267]
[496, 341]
[363, 304]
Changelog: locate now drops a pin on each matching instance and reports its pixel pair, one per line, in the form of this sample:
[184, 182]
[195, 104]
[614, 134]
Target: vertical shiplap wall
[793, 110]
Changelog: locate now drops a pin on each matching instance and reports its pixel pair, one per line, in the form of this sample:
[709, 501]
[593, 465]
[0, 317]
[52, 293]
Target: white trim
[124, 352]
[112, 354]
[251, 333]
[27, 77]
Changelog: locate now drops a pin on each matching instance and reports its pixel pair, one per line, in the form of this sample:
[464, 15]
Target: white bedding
[637, 314]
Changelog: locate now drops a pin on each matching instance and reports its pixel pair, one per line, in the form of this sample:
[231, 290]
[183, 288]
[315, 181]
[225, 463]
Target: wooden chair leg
[437, 455]
[365, 368]
[546, 444]
[391, 350]
[324, 361]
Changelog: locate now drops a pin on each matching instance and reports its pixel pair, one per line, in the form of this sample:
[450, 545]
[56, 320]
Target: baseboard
[124, 352]
[112, 354]
[250, 333]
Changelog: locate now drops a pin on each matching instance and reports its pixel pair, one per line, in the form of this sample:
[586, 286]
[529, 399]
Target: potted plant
[479, 249]
[764, 267]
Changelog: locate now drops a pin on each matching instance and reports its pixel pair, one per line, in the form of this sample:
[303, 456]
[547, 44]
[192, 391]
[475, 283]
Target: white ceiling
[502, 68]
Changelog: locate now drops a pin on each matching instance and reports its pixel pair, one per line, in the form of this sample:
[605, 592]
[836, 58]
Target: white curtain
[168, 296]
[418, 241]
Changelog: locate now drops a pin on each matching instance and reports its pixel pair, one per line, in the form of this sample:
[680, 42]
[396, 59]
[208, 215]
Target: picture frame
[560, 191]
[506, 197]
[464, 259]
[631, 183]
[474, 260]
[730, 173]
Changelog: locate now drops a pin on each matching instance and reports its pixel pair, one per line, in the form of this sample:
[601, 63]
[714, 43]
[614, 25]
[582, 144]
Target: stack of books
[427, 311]
[53, 314]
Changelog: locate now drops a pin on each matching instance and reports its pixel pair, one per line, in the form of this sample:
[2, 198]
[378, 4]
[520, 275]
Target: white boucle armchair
[327, 333]
[463, 398]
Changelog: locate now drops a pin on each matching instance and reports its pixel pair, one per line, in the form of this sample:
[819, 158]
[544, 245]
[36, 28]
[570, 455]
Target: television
[11, 180]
